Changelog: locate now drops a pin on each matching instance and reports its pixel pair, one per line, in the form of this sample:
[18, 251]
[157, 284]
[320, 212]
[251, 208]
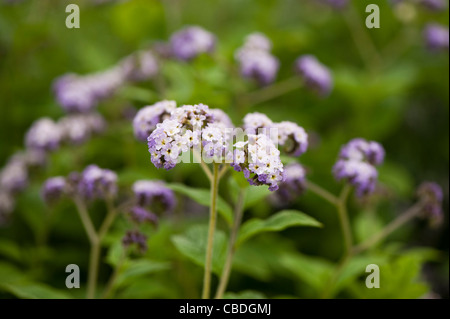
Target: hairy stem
[390, 228]
[239, 210]
[323, 193]
[212, 226]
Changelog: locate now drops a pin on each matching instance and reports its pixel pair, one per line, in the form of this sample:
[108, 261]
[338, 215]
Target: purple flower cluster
[292, 137]
[155, 194]
[82, 93]
[436, 37]
[78, 128]
[141, 215]
[431, 195]
[146, 118]
[134, 237]
[96, 182]
[316, 75]
[259, 160]
[183, 131]
[357, 164]
[188, 43]
[53, 189]
[294, 183]
[44, 134]
[256, 61]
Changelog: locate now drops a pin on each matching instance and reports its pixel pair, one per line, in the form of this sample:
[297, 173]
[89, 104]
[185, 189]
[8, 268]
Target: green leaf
[246, 294]
[253, 194]
[314, 271]
[138, 268]
[193, 245]
[33, 291]
[277, 222]
[202, 196]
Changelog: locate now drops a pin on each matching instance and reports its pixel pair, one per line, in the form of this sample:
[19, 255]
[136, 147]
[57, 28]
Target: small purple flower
[356, 164]
[96, 182]
[140, 215]
[44, 134]
[53, 189]
[294, 184]
[316, 75]
[436, 37]
[31, 158]
[256, 61]
[135, 238]
[144, 123]
[140, 66]
[192, 41]
[155, 194]
[14, 176]
[78, 128]
[431, 195]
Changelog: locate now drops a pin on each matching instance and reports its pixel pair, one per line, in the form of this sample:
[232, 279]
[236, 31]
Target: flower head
[141, 215]
[192, 41]
[78, 128]
[155, 194]
[96, 182]
[294, 183]
[135, 238]
[316, 75]
[14, 176]
[44, 134]
[255, 59]
[53, 189]
[357, 164]
[436, 37]
[431, 195]
[140, 66]
[148, 117]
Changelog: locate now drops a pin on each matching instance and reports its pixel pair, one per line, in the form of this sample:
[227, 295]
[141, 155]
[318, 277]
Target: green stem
[343, 217]
[271, 92]
[321, 192]
[109, 219]
[239, 210]
[212, 226]
[204, 166]
[112, 280]
[390, 228]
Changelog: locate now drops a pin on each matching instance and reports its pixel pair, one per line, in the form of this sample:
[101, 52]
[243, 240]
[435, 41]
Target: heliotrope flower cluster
[436, 37]
[316, 75]
[44, 134]
[294, 183]
[188, 43]
[146, 118]
[431, 195]
[78, 128]
[82, 93]
[154, 193]
[357, 164]
[291, 136]
[259, 160]
[134, 237]
[14, 177]
[255, 59]
[53, 189]
[183, 131]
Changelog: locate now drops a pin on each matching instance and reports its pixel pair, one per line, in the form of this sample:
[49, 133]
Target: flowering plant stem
[211, 229]
[239, 210]
[95, 240]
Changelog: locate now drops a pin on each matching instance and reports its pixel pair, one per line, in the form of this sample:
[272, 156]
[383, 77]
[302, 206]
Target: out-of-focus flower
[294, 184]
[53, 189]
[255, 59]
[220, 116]
[77, 128]
[431, 195]
[316, 75]
[6, 206]
[140, 66]
[31, 158]
[44, 134]
[141, 215]
[96, 182]
[436, 37]
[14, 176]
[259, 160]
[154, 194]
[144, 123]
[135, 238]
[356, 164]
[188, 43]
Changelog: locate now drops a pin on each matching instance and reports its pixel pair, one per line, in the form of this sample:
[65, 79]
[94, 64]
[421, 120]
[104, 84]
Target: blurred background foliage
[397, 95]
